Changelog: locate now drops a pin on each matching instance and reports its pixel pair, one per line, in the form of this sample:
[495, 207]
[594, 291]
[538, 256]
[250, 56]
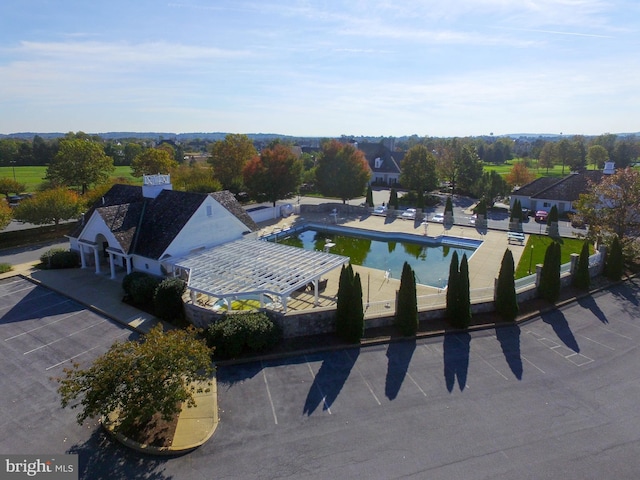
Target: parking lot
[41, 333]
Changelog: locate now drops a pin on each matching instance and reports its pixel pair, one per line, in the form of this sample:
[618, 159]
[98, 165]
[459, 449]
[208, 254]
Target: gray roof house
[137, 228]
[545, 192]
[384, 163]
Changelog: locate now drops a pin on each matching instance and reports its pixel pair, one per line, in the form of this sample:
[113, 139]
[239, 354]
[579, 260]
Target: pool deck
[484, 264]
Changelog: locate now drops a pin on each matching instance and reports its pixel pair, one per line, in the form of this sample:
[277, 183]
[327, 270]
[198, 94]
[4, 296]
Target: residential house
[383, 162]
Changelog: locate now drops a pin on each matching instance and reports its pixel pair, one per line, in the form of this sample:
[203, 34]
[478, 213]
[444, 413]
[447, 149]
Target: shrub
[549, 287]
[140, 287]
[407, 312]
[464, 295]
[448, 206]
[615, 261]
[581, 277]
[349, 309]
[452, 288]
[167, 300]
[516, 211]
[243, 333]
[5, 267]
[506, 299]
[57, 258]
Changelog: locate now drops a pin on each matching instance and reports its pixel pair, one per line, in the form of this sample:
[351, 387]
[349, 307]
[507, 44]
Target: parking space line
[266, 384]
[416, 384]
[29, 287]
[66, 336]
[42, 326]
[595, 341]
[531, 363]
[364, 379]
[126, 332]
[324, 397]
[615, 333]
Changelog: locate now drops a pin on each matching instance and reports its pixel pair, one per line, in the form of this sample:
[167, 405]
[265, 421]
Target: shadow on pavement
[456, 347]
[509, 338]
[330, 379]
[100, 458]
[560, 326]
[399, 355]
[590, 303]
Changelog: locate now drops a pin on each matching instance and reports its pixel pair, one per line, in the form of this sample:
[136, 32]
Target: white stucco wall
[204, 230]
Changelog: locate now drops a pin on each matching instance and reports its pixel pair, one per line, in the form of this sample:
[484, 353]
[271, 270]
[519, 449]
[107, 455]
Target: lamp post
[13, 166]
[530, 259]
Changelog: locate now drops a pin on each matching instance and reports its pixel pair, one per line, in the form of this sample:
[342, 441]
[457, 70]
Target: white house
[137, 228]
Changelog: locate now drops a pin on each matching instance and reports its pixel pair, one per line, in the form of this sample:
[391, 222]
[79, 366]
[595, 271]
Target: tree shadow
[456, 347]
[560, 326]
[228, 376]
[399, 355]
[628, 290]
[509, 338]
[330, 379]
[101, 458]
[590, 303]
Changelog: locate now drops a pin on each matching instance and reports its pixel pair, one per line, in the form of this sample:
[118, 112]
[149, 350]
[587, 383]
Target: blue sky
[321, 68]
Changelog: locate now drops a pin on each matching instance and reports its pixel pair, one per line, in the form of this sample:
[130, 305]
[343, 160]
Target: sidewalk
[102, 295]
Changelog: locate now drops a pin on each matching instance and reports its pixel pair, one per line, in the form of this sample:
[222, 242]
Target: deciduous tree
[228, 159]
[274, 174]
[9, 186]
[152, 161]
[597, 156]
[419, 170]
[79, 163]
[519, 175]
[6, 215]
[138, 379]
[342, 171]
[50, 206]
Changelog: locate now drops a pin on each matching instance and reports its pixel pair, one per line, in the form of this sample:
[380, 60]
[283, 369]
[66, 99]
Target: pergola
[248, 267]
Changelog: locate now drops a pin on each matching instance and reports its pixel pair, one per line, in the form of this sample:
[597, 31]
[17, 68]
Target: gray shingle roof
[566, 189]
[377, 150]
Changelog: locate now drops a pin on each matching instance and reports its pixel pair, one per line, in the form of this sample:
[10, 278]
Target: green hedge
[57, 258]
[243, 333]
[140, 288]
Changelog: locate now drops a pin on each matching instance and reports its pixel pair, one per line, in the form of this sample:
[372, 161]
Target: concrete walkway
[99, 293]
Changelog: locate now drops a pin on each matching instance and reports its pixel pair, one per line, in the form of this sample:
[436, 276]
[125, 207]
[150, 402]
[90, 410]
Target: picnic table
[516, 237]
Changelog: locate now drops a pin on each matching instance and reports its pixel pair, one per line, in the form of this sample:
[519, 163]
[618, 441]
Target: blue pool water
[430, 262]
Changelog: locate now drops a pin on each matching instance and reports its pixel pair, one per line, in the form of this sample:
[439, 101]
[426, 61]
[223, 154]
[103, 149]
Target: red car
[541, 216]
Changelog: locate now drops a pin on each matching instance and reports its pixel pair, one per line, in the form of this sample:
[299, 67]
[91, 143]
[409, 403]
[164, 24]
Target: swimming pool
[430, 259]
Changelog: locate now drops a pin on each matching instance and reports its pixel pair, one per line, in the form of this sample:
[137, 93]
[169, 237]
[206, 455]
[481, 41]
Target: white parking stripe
[266, 384]
[531, 363]
[416, 384]
[364, 380]
[595, 341]
[42, 326]
[324, 397]
[126, 332]
[62, 338]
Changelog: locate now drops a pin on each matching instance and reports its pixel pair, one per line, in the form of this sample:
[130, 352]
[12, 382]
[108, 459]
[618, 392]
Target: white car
[409, 213]
[438, 218]
[380, 210]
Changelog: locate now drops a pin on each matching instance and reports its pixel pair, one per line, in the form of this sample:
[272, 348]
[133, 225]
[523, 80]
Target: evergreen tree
[356, 311]
[420, 200]
[553, 215]
[615, 261]
[516, 211]
[343, 300]
[393, 198]
[464, 295]
[481, 208]
[452, 288]
[407, 311]
[581, 278]
[506, 299]
[448, 207]
[369, 200]
[549, 287]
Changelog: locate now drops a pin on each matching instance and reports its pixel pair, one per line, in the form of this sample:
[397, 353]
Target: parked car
[438, 218]
[380, 210]
[472, 219]
[541, 216]
[409, 214]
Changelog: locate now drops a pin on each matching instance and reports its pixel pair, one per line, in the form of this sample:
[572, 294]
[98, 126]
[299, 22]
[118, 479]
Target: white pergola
[247, 267]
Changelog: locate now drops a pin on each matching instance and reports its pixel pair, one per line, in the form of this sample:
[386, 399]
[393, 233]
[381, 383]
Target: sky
[321, 68]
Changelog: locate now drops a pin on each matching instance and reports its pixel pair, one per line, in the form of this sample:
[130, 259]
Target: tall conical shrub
[393, 198]
[581, 278]
[356, 313]
[343, 301]
[516, 211]
[549, 287]
[452, 288]
[614, 268]
[506, 299]
[553, 215]
[407, 312]
[369, 199]
[448, 206]
[464, 295]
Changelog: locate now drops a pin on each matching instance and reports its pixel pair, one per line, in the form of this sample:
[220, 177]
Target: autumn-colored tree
[50, 206]
[152, 161]
[342, 171]
[228, 158]
[80, 162]
[6, 215]
[138, 379]
[9, 186]
[612, 206]
[195, 178]
[419, 170]
[274, 174]
[519, 175]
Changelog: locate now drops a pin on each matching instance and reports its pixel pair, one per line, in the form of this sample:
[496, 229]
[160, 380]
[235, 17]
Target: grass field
[32, 177]
[536, 255]
[503, 169]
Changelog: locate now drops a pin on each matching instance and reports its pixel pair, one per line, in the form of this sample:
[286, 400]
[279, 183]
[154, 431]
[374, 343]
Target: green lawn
[536, 255]
[32, 177]
[503, 169]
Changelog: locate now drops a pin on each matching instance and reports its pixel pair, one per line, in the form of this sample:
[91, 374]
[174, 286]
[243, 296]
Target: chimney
[152, 185]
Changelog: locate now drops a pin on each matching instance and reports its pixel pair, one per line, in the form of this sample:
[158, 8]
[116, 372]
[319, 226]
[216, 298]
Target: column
[112, 265]
[83, 261]
[96, 257]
